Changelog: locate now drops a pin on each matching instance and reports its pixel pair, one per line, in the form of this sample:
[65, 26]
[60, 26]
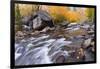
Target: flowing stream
[39, 50]
[43, 49]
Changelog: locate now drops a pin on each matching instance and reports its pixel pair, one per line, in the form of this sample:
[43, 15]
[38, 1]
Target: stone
[25, 20]
[41, 20]
[19, 33]
[64, 24]
[60, 57]
[87, 42]
[44, 15]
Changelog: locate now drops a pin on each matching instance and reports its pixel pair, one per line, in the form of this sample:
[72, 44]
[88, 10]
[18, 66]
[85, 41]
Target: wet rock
[43, 15]
[19, 33]
[77, 55]
[87, 42]
[91, 47]
[35, 33]
[46, 29]
[72, 24]
[86, 26]
[92, 27]
[41, 20]
[38, 21]
[68, 48]
[60, 57]
[26, 28]
[77, 32]
[81, 54]
[91, 31]
[64, 24]
[59, 46]
[25, 20]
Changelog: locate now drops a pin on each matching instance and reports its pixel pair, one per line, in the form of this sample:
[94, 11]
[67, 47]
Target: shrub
[90, 14]
[17, 18]
[60, 14]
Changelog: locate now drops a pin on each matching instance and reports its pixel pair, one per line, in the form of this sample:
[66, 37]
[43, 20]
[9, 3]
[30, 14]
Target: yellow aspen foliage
[58, 13]
[82, 14]
[73, 16]
[64, 13]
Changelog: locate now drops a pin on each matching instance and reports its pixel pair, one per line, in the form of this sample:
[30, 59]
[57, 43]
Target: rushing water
[39, 50]
[45, 50]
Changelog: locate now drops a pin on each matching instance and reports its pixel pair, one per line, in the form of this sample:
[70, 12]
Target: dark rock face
[59, 57]
[43, 20]
[38, 21]
[44, 15]
[27, 23]
[25, 20]
[64, 24]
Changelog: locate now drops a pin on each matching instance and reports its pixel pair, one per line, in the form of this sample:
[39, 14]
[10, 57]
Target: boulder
[43, 15]
[25, 20]
[78, 55]
[87, 42]
[60, 57]
[27, 23]
[41, 20]
[38, 21]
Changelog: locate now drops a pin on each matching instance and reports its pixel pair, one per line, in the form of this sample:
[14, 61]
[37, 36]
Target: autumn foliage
[64, 13]
[58, 13]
